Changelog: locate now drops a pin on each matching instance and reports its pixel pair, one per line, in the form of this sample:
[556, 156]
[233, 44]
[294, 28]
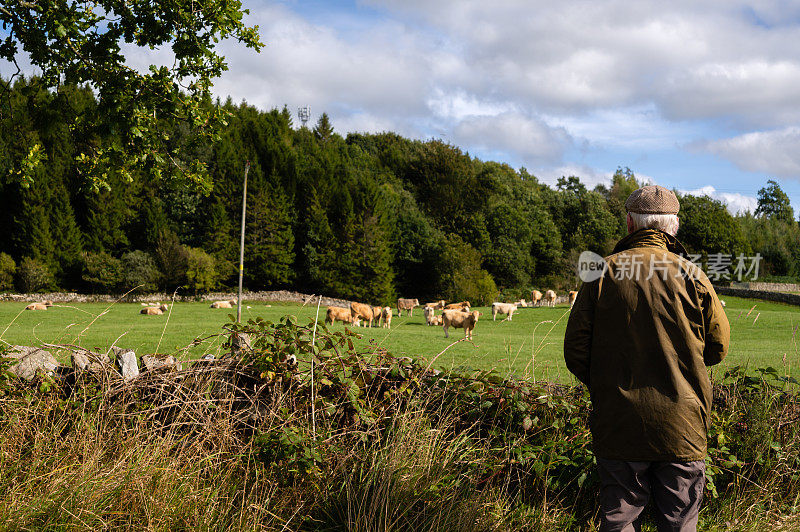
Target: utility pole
[241, 245]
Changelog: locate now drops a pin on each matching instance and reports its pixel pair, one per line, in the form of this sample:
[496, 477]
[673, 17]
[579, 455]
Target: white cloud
[735, 202]
[774, 153]
[530, 138]
[589, 176]
[721, 59]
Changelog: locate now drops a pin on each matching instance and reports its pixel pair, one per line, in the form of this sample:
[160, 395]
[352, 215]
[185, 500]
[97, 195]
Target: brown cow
[223, 304]
[436, 305]
[152, 311]
[36, 306]
[536, 298]
[572, 295]
[377, 315]
[406, 304]
[461, 305]
[503, 308]
[430, 314]
[436, 320]
[386, 317]
[47, 303]
[362, 311]
[550, 298]
[458, 319]
[340, 314]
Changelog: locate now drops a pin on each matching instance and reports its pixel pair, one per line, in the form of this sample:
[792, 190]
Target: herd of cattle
[455, 315]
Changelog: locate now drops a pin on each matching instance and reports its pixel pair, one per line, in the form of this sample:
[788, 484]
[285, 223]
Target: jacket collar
[651, 238]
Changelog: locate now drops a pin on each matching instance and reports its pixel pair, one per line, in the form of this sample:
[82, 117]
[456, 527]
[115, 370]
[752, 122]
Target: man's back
[640, 338]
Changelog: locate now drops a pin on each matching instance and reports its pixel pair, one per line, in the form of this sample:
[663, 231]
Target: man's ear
[630, 223]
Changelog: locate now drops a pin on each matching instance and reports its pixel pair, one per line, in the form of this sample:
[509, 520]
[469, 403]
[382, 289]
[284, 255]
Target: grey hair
[666, 222]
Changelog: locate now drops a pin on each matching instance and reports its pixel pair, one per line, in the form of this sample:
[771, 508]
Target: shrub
[102, 271]
[7, 270]
[201, 270]
[33, 276]
[139, 269]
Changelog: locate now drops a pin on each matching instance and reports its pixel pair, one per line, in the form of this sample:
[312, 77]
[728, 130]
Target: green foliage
[269, 239]
[707, 226]
[774, 203]
[461, 276]
[323, 130]
[101, 271]
[33, 276]
[201, 271]
[366, 218]
[81, 43]
[171, 260]
[8, 269]
[139, 269]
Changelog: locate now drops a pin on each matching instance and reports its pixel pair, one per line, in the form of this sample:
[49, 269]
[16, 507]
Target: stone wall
[792, 299]
[768, 287]
[280, 296]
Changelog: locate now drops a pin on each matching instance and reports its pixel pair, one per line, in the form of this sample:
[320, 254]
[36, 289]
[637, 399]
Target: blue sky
[698, 96]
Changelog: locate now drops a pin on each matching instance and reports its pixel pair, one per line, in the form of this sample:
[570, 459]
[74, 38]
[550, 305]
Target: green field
[530, 345]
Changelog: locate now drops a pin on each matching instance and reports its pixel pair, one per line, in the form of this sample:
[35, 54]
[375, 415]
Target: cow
[503, 308]
[152, 311]
[377, 315]
[406, 304]
[430, 314]
[364, 312]
[572, 295]
[462, 305]
[436, 320]
[36, 306]
[457, 319]
[436, 305]
[550, 298]
[47, 303]
[536, 298]
[340, 314]
[223, 304]
[521, 303]
[386, 317]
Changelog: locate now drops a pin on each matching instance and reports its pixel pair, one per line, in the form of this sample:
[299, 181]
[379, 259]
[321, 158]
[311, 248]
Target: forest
[364, 216]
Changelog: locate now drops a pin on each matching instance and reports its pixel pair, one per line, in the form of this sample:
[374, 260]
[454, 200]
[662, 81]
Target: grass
[763, 334]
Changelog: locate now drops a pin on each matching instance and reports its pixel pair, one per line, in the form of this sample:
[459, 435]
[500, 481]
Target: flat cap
[652, 199]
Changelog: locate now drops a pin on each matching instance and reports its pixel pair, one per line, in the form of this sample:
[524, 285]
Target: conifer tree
[67, 237]
[269, 239]
[323, 130]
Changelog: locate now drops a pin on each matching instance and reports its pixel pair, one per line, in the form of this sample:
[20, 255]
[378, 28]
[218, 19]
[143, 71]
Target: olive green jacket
[641, 342]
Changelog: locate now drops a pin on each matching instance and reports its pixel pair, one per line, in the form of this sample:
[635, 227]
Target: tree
[269, 239]
[171, 259]
[707, 227]
[33, 275]
[139, 270]
[323, 130]
[774, 203]
[461, 276]
[82, 43]
[8, 268]
[201, 271]
[102, 271]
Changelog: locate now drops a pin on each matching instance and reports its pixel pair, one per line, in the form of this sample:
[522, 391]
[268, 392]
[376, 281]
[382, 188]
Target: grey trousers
[625, 488]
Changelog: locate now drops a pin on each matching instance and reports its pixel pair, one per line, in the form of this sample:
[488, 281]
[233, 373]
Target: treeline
[366, 216]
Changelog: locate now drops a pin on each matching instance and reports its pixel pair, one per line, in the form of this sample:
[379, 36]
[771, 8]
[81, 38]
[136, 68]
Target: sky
[702, 97]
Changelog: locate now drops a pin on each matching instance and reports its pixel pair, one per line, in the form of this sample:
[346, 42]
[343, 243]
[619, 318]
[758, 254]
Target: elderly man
[640, 338]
